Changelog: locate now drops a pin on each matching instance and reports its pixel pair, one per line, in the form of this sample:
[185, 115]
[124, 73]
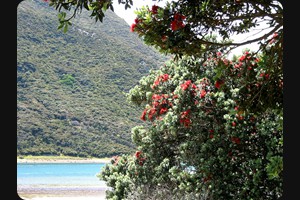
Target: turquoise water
[59, 175]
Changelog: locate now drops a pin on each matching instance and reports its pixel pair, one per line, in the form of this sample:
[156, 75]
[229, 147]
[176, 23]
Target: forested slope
[71, 86]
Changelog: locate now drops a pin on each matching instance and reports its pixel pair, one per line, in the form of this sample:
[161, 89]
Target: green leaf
[104, 8]
[60, 26]
[66, 27]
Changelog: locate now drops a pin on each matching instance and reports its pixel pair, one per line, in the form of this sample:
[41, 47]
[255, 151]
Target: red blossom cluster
[233, 123]
[274, 38]
[236, 140]
[160, 105]
[202, 92]
[136, 21]
[211, 134]
[154, 9]
[264, 75]
[219, 83]
[187, 84]
[159, 79]
[177, 23]
[185, 118]
[244, 68]
[204, 83]
[139, 158]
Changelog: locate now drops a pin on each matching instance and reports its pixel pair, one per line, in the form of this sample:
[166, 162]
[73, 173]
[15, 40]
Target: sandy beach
[69, 198]
[62, 193]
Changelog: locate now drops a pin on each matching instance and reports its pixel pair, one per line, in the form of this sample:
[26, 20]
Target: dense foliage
[202, 144]
[70, 86]
[216, 123]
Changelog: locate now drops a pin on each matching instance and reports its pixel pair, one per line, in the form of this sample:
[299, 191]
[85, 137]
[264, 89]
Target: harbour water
[64, 178]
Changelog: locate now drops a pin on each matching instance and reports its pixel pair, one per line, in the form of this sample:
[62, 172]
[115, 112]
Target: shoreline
[63, 160]
[43, 192]
[62, 193]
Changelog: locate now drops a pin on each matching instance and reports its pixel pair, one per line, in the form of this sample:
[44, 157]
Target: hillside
[71, 86]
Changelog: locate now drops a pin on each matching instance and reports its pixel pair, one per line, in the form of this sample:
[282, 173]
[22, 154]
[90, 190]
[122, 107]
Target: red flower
[236, 140]
[202, 94]
[154, 9]
[185, 121]
[237, 66]
[151, 113]
[219, 83]
[164, 38]
[156, 97]
[138, 154]
[186, 84]
[177, 23]
[164, 77]
[132, 27]
[163, 110]
[175, 96]
[242, 58]
[185, 113]
[267, 76]
[143, 117]
[178, 16]
[252, 118]
[184, 118]
[233, 124]
[262, 74]
[240, 117]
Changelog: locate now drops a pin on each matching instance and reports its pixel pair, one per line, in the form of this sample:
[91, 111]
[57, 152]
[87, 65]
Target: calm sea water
[59, 175]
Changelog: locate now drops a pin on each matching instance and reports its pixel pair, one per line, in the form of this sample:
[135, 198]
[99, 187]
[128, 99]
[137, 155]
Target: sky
[129, 16]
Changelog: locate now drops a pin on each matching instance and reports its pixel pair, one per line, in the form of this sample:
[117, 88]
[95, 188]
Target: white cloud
[128, 15]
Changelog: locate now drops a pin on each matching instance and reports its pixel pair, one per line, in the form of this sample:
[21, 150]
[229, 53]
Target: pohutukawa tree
[213, 125]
